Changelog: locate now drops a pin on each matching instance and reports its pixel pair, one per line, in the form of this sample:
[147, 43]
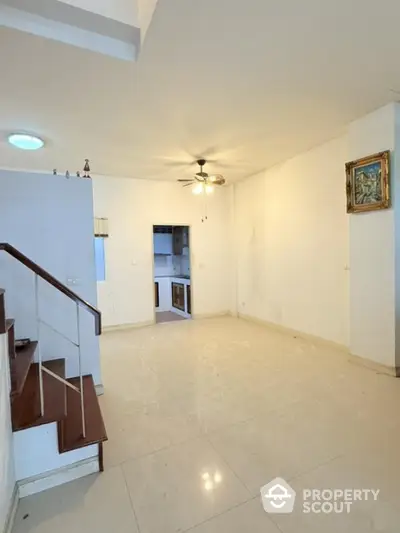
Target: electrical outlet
[73, 282]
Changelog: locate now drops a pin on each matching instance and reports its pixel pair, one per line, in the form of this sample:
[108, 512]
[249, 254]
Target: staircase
[40, 392]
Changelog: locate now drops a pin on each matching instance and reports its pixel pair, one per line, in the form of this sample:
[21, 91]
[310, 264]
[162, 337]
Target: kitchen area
[172, 286]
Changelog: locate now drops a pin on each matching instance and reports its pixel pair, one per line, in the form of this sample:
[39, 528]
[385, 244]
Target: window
[100, 258]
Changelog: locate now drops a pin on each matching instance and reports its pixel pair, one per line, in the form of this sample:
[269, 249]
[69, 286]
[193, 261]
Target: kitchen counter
[178, 276]
[180, 279]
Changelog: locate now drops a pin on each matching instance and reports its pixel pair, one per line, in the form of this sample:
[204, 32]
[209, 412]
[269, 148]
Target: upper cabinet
[163, 243]
[170, 240]
[185, 236]
[177, 240]
[180, 239]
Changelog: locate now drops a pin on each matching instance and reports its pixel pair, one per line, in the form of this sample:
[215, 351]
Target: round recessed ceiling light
[25, 141]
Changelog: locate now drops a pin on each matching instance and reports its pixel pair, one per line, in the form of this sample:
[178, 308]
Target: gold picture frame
[368, 183]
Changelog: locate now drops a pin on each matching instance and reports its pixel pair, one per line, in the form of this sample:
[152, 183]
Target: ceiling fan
[204, 180]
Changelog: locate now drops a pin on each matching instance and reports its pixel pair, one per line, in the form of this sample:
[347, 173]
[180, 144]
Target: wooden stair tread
[9, 323]
[19, 368]
[70, 429]
[25, 410]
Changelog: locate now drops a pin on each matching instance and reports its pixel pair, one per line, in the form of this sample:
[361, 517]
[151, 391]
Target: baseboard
[99, 389]
[8, 526]
[51, 479]
[200, 316]
[109, 329]
[376, 367]
[354, 359]
[294, 332]
[135, 325]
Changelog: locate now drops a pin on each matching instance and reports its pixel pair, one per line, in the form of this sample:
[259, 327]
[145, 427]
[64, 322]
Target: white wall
[372, 250]
[7, 476]
[182, 264]
[395, 183]
[50, 219]
[170, 265]
[163, 265]
[133, 207]
[291, 231]
[36, 452]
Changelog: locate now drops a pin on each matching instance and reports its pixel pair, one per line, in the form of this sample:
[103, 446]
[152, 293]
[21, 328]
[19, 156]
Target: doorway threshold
[168, 316]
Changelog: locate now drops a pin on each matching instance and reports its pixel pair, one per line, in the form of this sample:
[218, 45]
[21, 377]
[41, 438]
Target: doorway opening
[172, 280]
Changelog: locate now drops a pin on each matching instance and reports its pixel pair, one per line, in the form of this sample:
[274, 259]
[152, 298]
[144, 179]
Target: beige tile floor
[201, 414]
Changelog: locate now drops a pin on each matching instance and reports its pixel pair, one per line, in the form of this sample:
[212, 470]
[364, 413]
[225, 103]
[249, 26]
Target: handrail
[54, 282]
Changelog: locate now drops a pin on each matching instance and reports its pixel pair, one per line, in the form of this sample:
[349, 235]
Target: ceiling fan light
[209, 189]
[198, 188]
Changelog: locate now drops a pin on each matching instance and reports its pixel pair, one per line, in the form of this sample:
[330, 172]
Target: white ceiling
[249, 83]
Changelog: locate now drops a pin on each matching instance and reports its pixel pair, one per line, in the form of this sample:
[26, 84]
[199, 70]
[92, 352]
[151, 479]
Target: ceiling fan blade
[177, 164]
[177, 161]
[184, 180]
[188, 184]
[221, 163]
[216, 179]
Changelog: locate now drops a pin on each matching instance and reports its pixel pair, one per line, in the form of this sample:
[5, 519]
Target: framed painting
[367, 183]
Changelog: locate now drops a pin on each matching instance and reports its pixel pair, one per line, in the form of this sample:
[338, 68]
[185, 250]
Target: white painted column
[372, 249]
[7, 474]
[396, 204]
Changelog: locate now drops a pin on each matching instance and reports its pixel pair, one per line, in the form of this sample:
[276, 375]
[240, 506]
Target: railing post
[78, 325]
[39, 345]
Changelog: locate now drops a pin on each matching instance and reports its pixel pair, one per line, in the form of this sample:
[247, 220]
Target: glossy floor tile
[247, 517]
[99, 502]
[175, 489]
[367, 468]
[201, 413]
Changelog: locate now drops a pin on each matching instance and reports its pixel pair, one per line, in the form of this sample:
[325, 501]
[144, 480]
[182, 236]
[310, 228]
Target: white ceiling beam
[111, 27]
[125, 11]
[68, 34]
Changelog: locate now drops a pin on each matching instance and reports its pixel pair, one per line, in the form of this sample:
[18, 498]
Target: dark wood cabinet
[178, 296]
[185, 237]
[177, 240]
[188, 300]
[180, 239]
[157, 293]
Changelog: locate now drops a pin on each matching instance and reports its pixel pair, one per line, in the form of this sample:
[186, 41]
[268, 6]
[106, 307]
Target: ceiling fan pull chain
[205, 205]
